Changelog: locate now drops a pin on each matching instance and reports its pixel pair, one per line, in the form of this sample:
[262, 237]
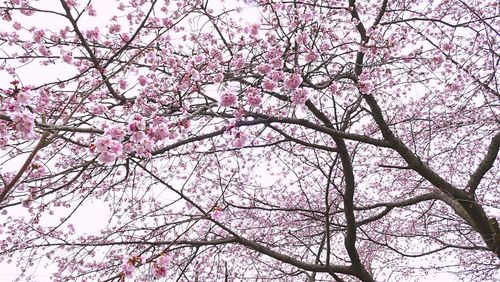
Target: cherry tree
[283, 140]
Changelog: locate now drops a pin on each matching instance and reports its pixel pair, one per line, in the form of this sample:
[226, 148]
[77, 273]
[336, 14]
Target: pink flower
[163, 261]
[277, 76]
[198, 59]
[91, 11]
[293, 81]
[238, 63]
[116, 147]
[263, 69]
[38, 170]
[302, 38]
[218, 78]
[122, 84]
[240, 140]
[228, 99]
[92, 34]
[97, 109]
[268, 84]
[160, 132]
[44, 51]
[17, 26]
[216, 213]
[103, 143]
[114, 28]
[159, 271]
[136, 125]
[142, 80]
[22, 98]
[300, 96]
[438, 60]
[116, 132]
[254, 100]
[67, 58]
[253, 29]
[447, 46]
[253, 96]
[365, 87]
[311, 56]
[128, 269]
[106, 158]
[38, 36]
[25, 123]
[137, 137]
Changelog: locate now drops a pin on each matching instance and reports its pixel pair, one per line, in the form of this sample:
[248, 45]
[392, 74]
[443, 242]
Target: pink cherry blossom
[238, 63]
[91, 11]
[293, 81]
[268, 84]
[228, 99]
[300, 96]
[163, 260]
[217, 213]
[159, 271]
[311, 56]
[128, 269]
[24, 123]
[240, 138]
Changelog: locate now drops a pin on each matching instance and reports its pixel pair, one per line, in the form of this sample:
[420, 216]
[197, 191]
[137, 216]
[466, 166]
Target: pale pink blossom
[92, 34]
[228, 99]
[106, 158]
[97, 109]
[300, 96]
[216, 213]
[311, 56]
[263, 69]
[44, 51]
[38, 36]
[163, 260]
[277, 76]
[253, 96]
[268, 84]
[17, 26]
[446, 46]
[67, 58]
[238, 63]
[293, 81]
[24, 122]
[128, 269]
[91, 11]
[240, 139]
[142, 80]
[122, 83]
[365, 87]
[116, 132]
[158, 271]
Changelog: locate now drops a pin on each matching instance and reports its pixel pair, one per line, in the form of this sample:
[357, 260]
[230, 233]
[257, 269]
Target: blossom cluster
[15, 104]
[138, 137]
[158, 266]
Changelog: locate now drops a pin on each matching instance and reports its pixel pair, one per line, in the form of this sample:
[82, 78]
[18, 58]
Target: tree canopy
[267, 140]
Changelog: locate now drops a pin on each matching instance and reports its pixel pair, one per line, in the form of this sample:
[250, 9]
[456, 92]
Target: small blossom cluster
[108, 148]
[142, 137]
[228, 99]
[158, 267]
[15, 105]
[216, 213]
[129, 264]
[239, 137]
